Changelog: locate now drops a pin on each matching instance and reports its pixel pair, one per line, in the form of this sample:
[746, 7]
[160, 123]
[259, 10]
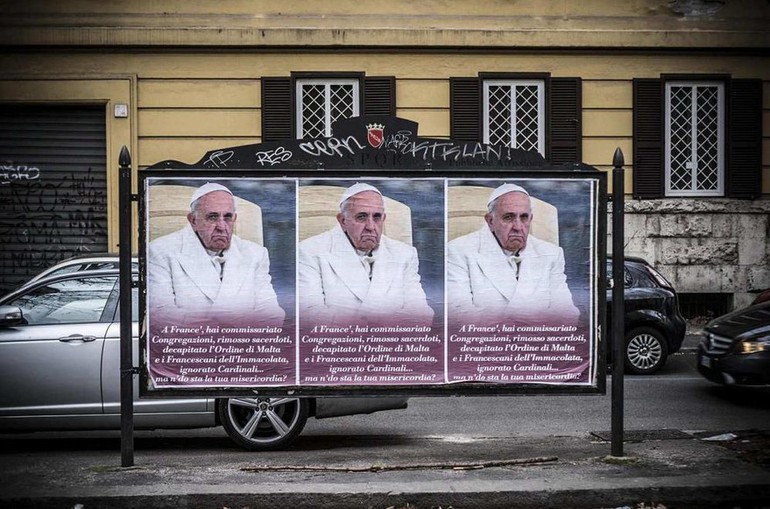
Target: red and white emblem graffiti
[375, 134]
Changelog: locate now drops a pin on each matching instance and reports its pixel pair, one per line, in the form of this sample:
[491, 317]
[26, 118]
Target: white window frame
[541, 132]
[327, 83]
[722, 120]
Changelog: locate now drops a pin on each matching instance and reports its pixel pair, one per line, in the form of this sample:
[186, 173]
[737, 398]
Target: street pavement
[666, 468]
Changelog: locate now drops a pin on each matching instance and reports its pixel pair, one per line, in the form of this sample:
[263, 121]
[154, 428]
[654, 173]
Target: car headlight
[755, 345]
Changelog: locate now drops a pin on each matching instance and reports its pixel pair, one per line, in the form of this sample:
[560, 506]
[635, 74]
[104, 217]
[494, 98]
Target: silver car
[60, 370]
[92, 261]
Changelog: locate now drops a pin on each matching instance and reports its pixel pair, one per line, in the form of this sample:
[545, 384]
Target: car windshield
[77, 300]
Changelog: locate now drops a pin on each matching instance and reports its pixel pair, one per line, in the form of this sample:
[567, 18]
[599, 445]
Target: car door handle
[77, 337]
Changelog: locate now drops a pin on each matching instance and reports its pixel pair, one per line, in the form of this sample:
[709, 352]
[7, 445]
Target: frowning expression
[510, 219]
[213, 218]
[362, 218]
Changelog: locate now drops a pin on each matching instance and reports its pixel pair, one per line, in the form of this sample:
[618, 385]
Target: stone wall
[703, 245]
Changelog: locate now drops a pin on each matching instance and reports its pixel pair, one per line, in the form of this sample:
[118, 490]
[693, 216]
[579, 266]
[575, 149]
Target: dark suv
[654, 327]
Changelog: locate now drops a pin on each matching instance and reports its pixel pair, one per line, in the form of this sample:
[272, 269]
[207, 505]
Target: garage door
[53, 191]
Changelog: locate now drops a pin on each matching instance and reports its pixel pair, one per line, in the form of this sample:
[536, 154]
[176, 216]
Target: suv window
[628, 281]
[642, 278]
[76, 300]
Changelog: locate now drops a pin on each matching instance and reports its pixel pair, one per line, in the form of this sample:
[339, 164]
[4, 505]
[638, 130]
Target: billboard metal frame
[601, 341]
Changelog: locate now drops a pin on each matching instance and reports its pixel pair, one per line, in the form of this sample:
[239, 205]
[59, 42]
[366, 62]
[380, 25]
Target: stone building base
[704, 246]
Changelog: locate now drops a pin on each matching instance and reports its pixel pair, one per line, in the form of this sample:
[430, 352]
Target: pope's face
[362, 219]
[510, 220]
[213, 220]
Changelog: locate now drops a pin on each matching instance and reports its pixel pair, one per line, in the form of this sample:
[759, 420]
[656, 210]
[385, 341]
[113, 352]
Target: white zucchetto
[356, 188]
[505, 189]
[208, 187]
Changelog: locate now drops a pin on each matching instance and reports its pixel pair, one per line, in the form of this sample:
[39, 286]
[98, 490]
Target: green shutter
[744, 152]
[565, 125]
[277, 117]
[465, 109]
[380, 95]
[648, 171]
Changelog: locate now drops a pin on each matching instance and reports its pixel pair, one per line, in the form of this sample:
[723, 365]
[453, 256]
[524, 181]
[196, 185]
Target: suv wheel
[263, 424]
[646, 351]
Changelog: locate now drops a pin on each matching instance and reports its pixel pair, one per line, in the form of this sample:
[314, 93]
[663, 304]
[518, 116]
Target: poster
[370, 282]
[220, 282]
[518, 285]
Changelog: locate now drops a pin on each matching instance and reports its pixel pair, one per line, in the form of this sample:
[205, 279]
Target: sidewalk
[668, 468]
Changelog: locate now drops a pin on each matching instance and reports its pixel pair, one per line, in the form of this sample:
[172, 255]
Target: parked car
[91, 261]
[654, 326]
[735, 348]
[761, 297]
[60, 370]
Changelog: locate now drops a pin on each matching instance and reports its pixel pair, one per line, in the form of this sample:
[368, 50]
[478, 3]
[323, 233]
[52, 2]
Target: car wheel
[646, 351]
[263, 424]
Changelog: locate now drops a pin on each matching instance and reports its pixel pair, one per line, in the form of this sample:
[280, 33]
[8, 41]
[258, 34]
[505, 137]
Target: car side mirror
[10, 316]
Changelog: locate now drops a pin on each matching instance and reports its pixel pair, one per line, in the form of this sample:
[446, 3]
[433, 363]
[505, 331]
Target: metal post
[126, 321]
[618, 308]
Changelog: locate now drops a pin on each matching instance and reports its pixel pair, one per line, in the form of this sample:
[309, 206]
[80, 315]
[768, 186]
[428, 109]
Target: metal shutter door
[53, 189]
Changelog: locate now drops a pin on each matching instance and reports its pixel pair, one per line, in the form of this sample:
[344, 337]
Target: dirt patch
[752, 446]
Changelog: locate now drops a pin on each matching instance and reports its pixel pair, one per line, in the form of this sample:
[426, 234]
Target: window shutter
[565, 125]
[380, 95]
[648, 175]
[277, 117]
[744, 157]
[465, 109]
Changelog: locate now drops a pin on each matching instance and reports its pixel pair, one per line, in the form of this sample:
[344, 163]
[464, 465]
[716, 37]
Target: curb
[682, 497]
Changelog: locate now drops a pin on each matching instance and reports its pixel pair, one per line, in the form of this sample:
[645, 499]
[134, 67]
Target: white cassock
[184, 284]
[482, 286]
[334, 285]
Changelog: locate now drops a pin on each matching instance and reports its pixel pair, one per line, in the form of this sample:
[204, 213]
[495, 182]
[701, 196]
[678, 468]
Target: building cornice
[362, 31]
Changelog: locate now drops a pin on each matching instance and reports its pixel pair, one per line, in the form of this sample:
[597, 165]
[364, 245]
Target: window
[320, 102]
[530, 112]
[305, 105]
[628, 280]
[78, 300]
[514, 114]
[694, 139]
[697, 136]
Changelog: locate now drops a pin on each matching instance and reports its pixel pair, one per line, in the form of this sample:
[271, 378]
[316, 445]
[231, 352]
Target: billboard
[365, 282]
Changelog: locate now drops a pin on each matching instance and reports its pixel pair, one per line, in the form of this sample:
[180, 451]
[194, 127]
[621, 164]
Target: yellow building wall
[190, 71]
[187, 104]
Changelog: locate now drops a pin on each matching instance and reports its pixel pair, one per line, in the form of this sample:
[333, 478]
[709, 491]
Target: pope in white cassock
[502, 274]
[203, 271]
[355, 274]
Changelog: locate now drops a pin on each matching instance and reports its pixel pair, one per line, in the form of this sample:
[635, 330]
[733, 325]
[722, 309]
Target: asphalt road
[436, 453]
[675, 398]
